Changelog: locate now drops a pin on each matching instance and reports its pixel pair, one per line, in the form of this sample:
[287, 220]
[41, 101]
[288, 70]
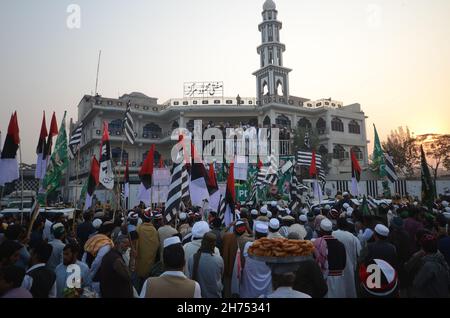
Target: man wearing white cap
[331, 257]
[303, 221]
[353, 249]
[172, 283]
[274, 227]
[164, 232]
[198, 232]
[381, 248]
[256, 275]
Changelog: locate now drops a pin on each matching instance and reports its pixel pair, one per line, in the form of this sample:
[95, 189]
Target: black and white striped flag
[304, 160]
[222, 209]
[175, 193]
[75, 141]
[296, 192]
[390, 169]
[128, 125]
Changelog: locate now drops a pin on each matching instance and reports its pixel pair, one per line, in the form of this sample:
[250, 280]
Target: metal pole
[98, 70]
[75, 199]
[21, 177]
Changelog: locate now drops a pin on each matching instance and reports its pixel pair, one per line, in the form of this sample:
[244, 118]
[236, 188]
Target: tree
[404, 150]
[437, 148]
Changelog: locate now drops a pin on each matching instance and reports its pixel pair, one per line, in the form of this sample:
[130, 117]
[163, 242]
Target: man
[198, 232]
[299, 229]
[15, 232]
[352, 249]
[433, 278]
[412, 225]
[59, 235]
[274, 227]
[215, 224]
[381, 248]
[206, 268]
[256, 275]
[114, 276]
[262, 217]
[147, 246]
[62, 271]
[303, 221]
[11, 278]
[443, 238]
[253, 216]
[47, 233]
[172, 283]
[331, 256]
[39, 280]
[164, 232]
[233, 244]
[283, 278]
[184, 227]
[85, 230]
[9, 253]
[286, 221]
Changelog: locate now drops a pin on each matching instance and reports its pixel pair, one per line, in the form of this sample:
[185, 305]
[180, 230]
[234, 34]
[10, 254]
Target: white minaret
[272, 79]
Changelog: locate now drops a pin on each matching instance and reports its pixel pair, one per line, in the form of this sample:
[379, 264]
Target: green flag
[427, 182]
[378, 155]
[365, 207]
[59, 161]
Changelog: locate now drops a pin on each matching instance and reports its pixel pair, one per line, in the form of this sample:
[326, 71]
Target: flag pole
[75, 199]
[21, 178]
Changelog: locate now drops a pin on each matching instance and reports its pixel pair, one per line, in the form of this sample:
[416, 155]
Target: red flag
[260, 164]
[53, 126]
[313, 167]
[356, 168]
[146, 172]
[127, 173]
[230, 195]
[9, 169]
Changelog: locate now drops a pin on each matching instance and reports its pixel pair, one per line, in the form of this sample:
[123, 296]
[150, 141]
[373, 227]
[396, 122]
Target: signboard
[203, 89]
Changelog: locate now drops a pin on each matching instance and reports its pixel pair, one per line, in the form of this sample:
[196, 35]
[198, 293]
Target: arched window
[338, 152]
[321, 126]
[152, 131]
[323, 150]
[115, 127]
[280, 90]
[337, 125]
[354, 128]
[265, 89]
[304, 123]
[267, 122]
[283, 121]
[116, 154]
[358, 153]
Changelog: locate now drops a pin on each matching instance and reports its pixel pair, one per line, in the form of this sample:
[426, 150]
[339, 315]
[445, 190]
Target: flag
[197, 187]
[307, 141]
[75, 141]
[378, 155]
[356, 173]
[304, 160]
[52, 133]
[427, 182]
[389, 168]
[35, 210]
[58, 161]
[145, 175]
[128, 124]
[230, 197]
[213, 188]
[313, 172]
[41, 164]
[365, 207]
[106, 171]
[93, 182]
[9, 167]
[126, 185]
[175, 193]
[296, 192]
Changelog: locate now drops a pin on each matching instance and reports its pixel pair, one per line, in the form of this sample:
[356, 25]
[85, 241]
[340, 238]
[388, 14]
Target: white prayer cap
[200, 229]
[445, 204]
[303, 218]
[288, 211]
[97, 223]
[254, 212]
[139, 221]
[447, 210]
[305, 211]
[262, 228]
[346, 206]
[183, 216]
[367, 235]
[345, 194]
[447, 215]
[263, 210]
[273, 203]
[133, 215]
[274, 224]
[382, 230]
[269, 214]
[171, 241]
[326, 225]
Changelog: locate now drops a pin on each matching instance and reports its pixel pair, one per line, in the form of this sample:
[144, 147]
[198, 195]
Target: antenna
[98, 69]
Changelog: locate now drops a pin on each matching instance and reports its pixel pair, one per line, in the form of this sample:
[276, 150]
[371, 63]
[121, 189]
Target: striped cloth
[128, 125]
[175, 193]
[75, 141]
[222, 210]
[304, 160]
[390, 169]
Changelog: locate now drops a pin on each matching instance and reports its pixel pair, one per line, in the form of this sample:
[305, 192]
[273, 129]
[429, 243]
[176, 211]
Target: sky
[391, 56]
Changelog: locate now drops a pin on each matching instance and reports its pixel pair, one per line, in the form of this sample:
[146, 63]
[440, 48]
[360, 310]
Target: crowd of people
[138, 255]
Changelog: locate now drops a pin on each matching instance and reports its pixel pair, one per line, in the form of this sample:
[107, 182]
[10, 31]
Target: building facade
[340, 127]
